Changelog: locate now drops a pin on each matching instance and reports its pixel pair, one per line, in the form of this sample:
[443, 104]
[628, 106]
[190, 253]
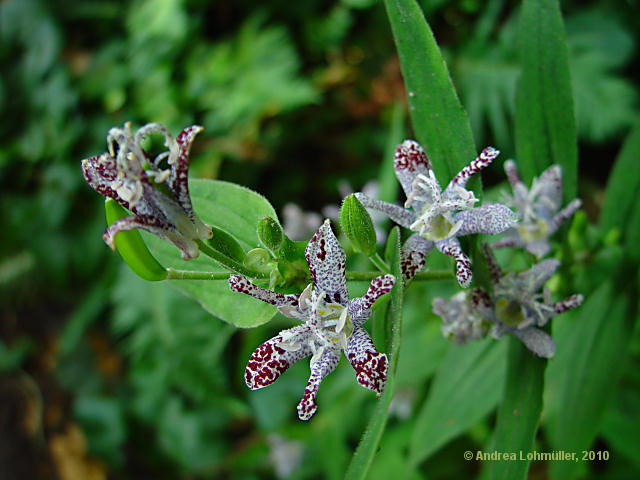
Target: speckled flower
[331, 324]
[127, 174]
[460, 322]
[438, 217]
[517, 308]
[538, 210]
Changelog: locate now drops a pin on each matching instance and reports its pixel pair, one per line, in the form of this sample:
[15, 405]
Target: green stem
[228, 262]
[173, 274]
[422, 276]
[377, 260]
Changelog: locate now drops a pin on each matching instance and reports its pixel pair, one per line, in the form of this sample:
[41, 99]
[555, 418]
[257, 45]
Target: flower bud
[357, 226]
[132, 248]
[225, 243]
[270, 233]
[257, 259]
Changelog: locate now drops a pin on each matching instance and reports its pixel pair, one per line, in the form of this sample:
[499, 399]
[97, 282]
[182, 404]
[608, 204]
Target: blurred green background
[105, 376]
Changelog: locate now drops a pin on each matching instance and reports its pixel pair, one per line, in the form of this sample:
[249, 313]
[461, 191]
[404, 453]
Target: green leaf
[439, 121]
[466, 388]
[545, 129]
[622, 186]
[519, 412]
[592, 343]
[237, 211]
[366, 451]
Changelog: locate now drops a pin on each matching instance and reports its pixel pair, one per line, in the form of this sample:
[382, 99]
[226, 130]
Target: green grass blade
[467, 386]
[366, 451]
[519, 412]
[545, 129]
[439, 121]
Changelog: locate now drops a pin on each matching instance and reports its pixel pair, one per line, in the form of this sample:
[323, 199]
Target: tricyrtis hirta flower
[331, 324]
[438, 217]
[461, 323]
[127, 174]
[538, 209]
[515, 307]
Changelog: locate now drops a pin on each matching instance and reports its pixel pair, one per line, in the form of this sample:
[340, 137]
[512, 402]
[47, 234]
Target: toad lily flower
[332, 324]
[438, 217]
[460, 321]
[127, 174]
[517, 307]
[538, 210]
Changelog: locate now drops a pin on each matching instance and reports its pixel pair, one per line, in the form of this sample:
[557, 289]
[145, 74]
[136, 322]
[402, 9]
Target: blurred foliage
[294, 97]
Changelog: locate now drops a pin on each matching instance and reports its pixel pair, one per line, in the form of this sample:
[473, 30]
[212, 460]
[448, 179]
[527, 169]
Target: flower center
[335, 323]
[533, 230]
[435, 221]
[509, 312]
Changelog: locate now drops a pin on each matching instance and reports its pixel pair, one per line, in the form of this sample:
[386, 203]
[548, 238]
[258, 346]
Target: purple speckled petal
[564, 214]
[536, 340]
[481, 302]
[413, 254]
[270, 359]
[538, 275]
[512, 174]
[178, 181]
[155, 225]
[550, 184]
[567, 304]
[326, 261]
[490, 219]
[410, 161]
[482, 161]
[451, 247]
[320, 369]
[371, 366]
[360, 308]
[240, 284]
[402, 216]
[101, 173]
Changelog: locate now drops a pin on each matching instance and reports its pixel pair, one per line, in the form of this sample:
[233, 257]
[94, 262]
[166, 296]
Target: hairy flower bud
[357, 226]
[270, 233]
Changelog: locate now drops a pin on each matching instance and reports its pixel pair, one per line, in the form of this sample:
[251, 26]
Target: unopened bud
[357, 226]
[132, 248]
[270, 233]
[225, 243]
[257, 259]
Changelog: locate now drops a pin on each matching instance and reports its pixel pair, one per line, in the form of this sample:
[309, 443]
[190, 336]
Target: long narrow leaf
[622, 187]
[439, 121]
[365, 453]
[466, 388]
[545, 128]
[592, 343]
[519, 412]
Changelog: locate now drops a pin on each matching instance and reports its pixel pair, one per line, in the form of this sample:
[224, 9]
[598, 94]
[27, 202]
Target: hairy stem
[173, 274]
[228, 262]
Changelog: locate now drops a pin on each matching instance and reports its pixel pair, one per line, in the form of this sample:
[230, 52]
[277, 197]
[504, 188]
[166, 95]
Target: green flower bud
[225, 243]
[257, 259]
[357, 226]
[132, 248]
[270, 233]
